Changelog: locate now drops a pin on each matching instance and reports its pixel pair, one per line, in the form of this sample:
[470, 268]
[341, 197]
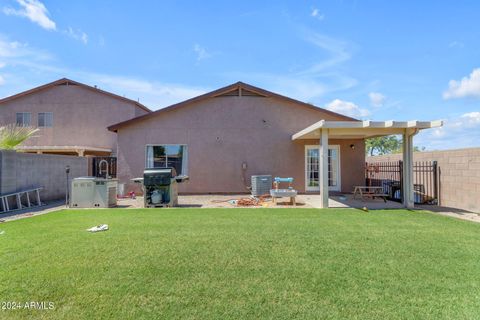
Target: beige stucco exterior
[221, 133]
[81, 115]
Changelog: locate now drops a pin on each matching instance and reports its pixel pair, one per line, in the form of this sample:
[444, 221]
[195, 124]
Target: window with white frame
[24, 119]
[167, 156]
[45, 119]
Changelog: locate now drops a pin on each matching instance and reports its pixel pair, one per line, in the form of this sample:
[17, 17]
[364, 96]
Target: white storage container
[91, 192]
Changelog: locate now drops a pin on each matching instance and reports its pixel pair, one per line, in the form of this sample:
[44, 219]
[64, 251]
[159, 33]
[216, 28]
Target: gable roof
[65, 81]
[230, 90]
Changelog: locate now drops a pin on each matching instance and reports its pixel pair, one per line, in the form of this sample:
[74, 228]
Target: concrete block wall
[459, 175]
[21, 171]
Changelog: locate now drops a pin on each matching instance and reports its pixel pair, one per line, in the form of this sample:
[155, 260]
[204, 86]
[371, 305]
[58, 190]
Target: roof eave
[115, 127]
[66, 80]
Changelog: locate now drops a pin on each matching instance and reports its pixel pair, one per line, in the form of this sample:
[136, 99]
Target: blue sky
[377, 60]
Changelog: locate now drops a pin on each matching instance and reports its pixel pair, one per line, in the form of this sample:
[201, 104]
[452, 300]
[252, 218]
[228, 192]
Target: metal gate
[389, 175]
[104, 166]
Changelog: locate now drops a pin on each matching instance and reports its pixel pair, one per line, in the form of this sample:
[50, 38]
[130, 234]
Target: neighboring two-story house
[72, 117]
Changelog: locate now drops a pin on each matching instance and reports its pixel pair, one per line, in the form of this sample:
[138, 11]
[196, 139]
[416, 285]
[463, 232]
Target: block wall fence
[459, 174]
[21, 171]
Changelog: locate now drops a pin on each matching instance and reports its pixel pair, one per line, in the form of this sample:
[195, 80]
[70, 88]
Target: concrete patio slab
[34, 211]
[303, 201]
[347, 201]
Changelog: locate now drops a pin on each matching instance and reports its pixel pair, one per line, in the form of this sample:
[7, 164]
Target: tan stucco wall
[459, 175]
[222, 133]
[80, 116]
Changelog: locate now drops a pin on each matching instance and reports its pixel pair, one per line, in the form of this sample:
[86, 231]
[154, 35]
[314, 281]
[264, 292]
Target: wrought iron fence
[389, 175]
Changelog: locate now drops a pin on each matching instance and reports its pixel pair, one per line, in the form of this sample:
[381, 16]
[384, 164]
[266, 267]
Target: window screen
[45, 119]
[24, 119]
[167, 156]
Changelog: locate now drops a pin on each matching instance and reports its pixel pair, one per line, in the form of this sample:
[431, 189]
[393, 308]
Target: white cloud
[316, 14]
[456, 44]
[13, 53]
[20, 63]
[336, 49]
[33, 10]
[153, 94]
[347, 108]
[311, 81]
[201, 52]
[469, 120]
[36, 12]
[33, 67]
[10, 49]
[302, 88]
[467, 87]
[377, 99]
[77, 35]
[2, 79]
[458, 132]
[306, 88]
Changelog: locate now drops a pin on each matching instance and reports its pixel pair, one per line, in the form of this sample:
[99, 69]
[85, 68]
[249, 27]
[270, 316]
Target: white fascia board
[367, 127]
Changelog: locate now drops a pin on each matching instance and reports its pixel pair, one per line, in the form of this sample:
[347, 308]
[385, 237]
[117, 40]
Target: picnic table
[369, 192]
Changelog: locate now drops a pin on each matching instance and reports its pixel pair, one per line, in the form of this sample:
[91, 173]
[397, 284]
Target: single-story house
[222, 138]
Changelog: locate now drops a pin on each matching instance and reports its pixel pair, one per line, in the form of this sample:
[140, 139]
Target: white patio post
[408, 199]
[323, 168]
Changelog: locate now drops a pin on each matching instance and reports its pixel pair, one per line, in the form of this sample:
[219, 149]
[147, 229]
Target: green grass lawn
[242, 264]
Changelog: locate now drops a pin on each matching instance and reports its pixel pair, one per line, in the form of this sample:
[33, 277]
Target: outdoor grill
[161, 187]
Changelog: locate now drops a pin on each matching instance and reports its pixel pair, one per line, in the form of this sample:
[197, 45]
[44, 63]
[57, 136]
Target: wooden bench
[369, 192]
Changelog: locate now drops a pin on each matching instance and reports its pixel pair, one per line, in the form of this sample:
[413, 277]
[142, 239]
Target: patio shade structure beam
[407, 153]
[323, 168]
[79, 150]
[325, 130]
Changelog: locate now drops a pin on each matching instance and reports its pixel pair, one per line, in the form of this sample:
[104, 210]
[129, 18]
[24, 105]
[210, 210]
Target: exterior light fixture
[352, 146]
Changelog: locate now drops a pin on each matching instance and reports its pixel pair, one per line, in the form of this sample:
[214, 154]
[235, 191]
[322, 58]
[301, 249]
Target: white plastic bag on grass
[102, 227]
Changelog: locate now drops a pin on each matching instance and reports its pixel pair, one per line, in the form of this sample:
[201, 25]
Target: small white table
[281, 193]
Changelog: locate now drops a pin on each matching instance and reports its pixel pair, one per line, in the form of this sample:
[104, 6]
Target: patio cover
[80, 150]
[324, 130]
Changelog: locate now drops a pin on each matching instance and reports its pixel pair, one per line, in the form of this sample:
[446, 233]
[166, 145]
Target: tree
[386, 145]
[382, 145]
[12, 135]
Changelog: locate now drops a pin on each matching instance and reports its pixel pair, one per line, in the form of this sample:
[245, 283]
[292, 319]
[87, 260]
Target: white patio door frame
[338, 187]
